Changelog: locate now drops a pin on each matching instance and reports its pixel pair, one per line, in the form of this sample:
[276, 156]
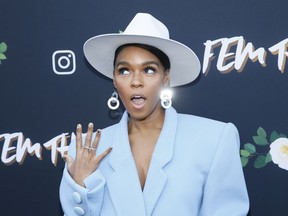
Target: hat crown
[146, 25]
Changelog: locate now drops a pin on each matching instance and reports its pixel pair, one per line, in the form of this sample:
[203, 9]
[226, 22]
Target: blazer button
[79, 211]
[77, 198]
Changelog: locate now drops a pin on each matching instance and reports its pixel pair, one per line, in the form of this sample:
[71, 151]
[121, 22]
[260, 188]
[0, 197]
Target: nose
[137, 80]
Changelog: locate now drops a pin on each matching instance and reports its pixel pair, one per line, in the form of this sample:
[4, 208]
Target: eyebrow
[143, 64]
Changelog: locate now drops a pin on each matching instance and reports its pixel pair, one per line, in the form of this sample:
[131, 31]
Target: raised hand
[86, 160]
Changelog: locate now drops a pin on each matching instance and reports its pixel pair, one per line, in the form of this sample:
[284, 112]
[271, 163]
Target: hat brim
[185, 65]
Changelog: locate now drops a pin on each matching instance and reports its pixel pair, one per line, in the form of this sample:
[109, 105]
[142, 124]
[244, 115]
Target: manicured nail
[98, 131]
[90, 125]
[78, 126]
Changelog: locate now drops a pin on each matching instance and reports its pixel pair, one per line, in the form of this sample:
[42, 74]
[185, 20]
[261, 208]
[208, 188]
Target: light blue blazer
[195, 170]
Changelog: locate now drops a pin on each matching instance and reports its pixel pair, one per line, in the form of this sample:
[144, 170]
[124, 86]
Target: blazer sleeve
[77, 200]
[225, 192]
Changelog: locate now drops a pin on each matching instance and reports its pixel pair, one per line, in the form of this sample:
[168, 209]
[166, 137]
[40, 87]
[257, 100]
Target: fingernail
[98, 131]
[78, 126]
[90, 124]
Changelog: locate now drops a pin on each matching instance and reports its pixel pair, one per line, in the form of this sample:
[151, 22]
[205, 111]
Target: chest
[142, 147]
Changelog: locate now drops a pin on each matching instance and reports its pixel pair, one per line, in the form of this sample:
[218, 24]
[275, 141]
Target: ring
[90, 148]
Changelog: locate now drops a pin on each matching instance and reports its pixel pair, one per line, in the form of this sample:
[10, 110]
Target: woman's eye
[124, 71]
[149, 70]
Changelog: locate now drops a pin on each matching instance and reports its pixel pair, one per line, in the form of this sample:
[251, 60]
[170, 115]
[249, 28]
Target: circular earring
[166, 98]
[113, 102]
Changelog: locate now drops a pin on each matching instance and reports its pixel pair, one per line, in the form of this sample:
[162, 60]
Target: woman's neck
[154, 121]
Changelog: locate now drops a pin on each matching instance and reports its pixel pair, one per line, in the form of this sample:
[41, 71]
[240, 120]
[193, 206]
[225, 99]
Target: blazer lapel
[123, 185]
[163, 152]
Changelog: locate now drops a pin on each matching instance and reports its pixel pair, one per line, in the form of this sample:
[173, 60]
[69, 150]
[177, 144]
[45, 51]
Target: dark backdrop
[42, 104]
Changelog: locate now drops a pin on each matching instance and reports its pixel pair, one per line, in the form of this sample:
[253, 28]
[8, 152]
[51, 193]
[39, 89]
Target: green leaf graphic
[261, 132]
[260, 140]
[244, 153]
[268, 158]
[260, 162]
[250, 148]
[3, 47]
[2, 56]
[244, 161]
[274, 135]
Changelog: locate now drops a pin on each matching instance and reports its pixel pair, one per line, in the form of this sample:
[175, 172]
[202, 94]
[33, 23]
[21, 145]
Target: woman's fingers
[78, 138]
[103, 155]
[88, 138]
[69, 160]
[95, 145]
[86, 160]
[97, 138]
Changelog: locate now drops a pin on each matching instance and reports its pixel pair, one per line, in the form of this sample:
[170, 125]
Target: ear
[114, 83]
[167, 78]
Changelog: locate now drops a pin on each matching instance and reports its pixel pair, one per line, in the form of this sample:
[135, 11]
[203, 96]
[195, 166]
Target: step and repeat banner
[47, 87]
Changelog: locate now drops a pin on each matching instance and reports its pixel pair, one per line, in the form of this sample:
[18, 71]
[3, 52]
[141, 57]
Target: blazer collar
[125, 178]
[121, 147]
[162, 155]
[163, 151]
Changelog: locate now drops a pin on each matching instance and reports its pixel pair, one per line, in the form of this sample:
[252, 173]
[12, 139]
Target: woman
[154, 161]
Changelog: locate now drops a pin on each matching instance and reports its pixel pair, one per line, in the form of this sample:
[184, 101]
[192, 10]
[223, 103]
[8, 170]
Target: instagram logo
[64, 62]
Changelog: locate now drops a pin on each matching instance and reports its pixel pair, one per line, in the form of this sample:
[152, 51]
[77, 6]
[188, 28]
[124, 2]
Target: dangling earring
[113, 102]
[166, 98]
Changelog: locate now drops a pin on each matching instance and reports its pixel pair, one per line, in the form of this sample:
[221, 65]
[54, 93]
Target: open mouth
[138, 100]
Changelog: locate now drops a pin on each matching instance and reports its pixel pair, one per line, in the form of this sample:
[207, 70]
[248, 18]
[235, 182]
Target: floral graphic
[279, 152]
[261, 154]
[3, 48]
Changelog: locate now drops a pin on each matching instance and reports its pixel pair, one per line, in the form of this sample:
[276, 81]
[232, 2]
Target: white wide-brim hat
[144, 29]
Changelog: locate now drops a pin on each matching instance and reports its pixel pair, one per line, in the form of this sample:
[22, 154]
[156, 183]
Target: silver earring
[166, 98]
[113, 102]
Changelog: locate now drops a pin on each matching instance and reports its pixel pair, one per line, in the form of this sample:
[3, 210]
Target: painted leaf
[3, 47]
[250, 148]
[274, 135]
[260, 140]
[260, 161]
[244, 153]
[244, 161]
[261, 132]
[268, 158]
[2, 56]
